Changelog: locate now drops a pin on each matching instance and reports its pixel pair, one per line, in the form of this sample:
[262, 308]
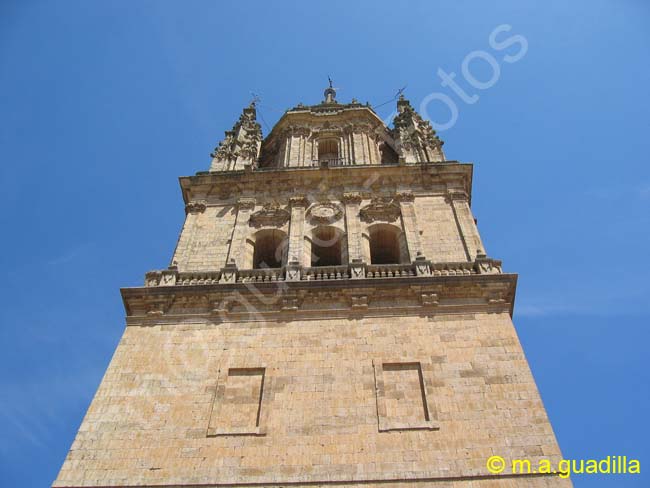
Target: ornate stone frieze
[300, 130]
[271, 215]
[382, 209]
[319, 184]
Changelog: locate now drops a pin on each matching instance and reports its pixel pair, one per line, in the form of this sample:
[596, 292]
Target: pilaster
[459, 202]
[353, 227]
[297, 229]
[240, 232]
[184, 246]
[410, 223]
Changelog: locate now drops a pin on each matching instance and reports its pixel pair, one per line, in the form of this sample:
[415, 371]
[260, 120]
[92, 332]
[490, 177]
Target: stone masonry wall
[166, 411]
[441, 240]
[204, 240]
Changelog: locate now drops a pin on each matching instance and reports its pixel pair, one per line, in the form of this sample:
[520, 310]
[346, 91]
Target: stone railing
[453, 269]
[198, 278]
[260, 275]
[330, 162]
[171, 277]
[390, 270]
[326, 273]
[295, 272]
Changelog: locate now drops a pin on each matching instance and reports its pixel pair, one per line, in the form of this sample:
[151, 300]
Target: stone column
[297, 230]
[465, 221]
[240, 232]
[410, 223]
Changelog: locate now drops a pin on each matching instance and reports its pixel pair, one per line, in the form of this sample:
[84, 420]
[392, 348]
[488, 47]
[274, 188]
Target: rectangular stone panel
[403, 401]
[237, 403]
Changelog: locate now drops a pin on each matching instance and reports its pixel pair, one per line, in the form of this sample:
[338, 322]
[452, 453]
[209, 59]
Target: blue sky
[105, 104]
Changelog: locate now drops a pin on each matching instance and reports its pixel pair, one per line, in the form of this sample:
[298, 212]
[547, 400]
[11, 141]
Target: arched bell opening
[327, 247]
[267, 249]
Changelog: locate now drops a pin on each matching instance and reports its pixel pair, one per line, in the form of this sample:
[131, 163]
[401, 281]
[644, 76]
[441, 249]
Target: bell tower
[330, 316]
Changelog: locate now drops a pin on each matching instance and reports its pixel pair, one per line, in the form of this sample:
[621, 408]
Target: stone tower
[330, 317]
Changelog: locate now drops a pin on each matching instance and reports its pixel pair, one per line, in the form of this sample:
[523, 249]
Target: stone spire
[415, 139]
[241, 145]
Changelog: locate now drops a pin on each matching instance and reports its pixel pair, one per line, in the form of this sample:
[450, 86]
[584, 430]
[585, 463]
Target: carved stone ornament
[414, 137]
[271, 215]
[223, 306]
[351, 198]
[229, 272]
[158, 305]
[359, 302]
[243, 140]
[223, 192]
[456, 195]
[299, 201]
[290, 302]
[380, 209]
[195, 207]
[429, 299]
[488, 266]
[324, 213]
[246, 203]
[404, 196]
[152, 278]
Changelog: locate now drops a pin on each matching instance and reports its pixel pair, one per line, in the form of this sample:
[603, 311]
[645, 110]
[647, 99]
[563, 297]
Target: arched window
[327, 247]
[269, 249]
[385, 244]
[328, 150]
[388, 154]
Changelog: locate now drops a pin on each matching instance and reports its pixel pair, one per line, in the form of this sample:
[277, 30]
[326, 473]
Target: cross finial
[330, 92]
[255, 100]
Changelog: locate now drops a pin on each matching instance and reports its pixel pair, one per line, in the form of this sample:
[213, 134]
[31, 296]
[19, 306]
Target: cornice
[439, 177]
[237, 302]
[316, 114]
